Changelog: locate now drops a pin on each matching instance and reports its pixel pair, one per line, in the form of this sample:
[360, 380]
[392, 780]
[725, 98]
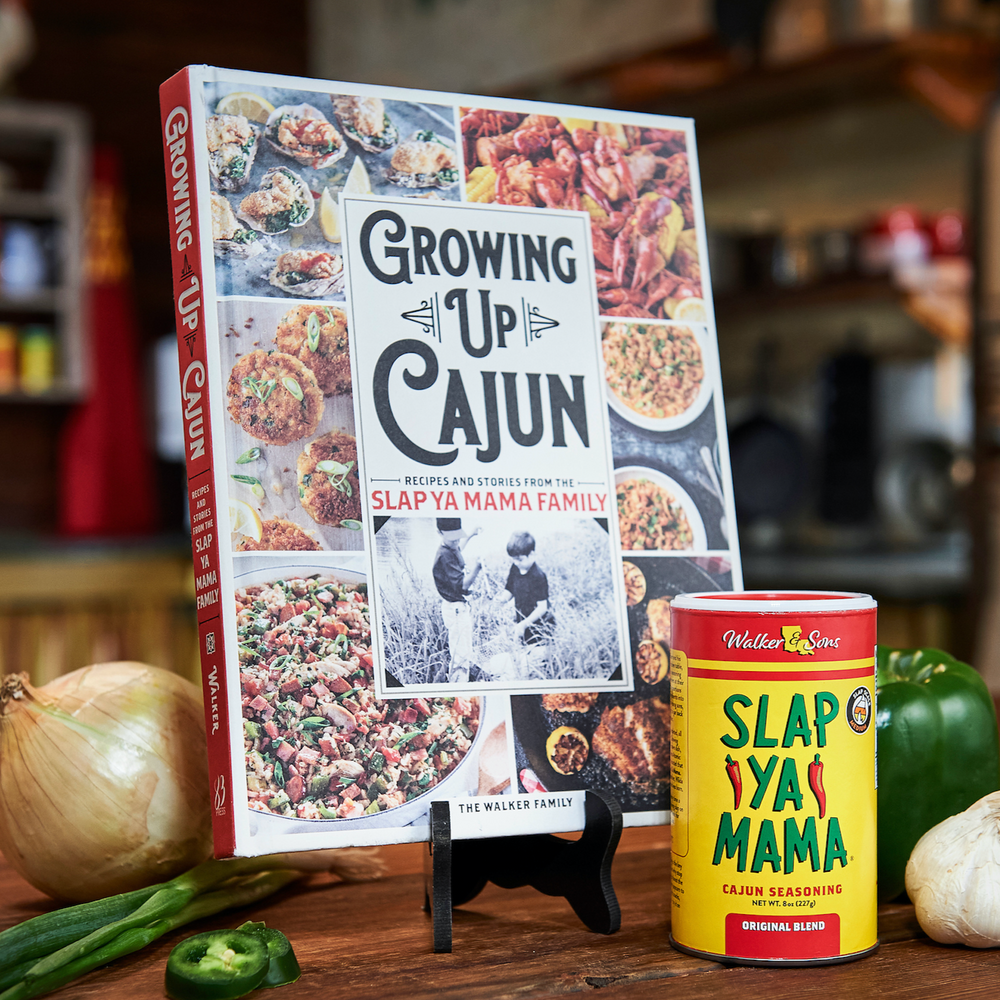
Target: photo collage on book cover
[319, 745]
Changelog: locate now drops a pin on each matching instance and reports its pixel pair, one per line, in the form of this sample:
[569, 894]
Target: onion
[103, 779]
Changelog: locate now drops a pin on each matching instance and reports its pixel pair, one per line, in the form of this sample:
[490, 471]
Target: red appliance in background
[105, 463]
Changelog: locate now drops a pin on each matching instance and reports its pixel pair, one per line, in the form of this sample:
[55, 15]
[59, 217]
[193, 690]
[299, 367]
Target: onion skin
[103, 779]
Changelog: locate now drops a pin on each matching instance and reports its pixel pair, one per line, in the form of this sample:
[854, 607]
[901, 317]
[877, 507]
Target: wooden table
[372, 939]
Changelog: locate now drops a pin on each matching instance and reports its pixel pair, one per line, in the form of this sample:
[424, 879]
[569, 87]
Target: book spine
[206, 519]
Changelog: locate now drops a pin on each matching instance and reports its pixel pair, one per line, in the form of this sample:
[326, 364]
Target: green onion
[312, 331]
[251, 455]
[293, 387]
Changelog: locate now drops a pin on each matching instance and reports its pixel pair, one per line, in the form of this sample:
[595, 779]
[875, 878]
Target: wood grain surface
[366, 939]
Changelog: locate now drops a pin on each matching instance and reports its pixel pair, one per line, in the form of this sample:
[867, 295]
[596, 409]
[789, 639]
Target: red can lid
[757, 601]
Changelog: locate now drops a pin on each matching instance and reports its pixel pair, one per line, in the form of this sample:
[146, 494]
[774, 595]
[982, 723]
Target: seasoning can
[773, 777]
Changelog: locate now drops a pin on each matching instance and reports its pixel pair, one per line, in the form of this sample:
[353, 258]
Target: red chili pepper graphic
[816, 784]
[733, 770]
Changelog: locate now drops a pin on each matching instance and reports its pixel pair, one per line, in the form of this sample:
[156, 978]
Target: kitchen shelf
[48, 143]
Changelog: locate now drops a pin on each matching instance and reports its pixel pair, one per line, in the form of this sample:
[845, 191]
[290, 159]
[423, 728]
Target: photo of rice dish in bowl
[654, 512]
[318, 744]
[656, 374]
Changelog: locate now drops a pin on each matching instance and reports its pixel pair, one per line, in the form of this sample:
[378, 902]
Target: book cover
[455, 439]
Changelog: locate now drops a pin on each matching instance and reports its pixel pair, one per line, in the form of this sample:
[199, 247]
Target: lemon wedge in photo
[571, 123]
[329, 216]
[358, 181]
[244, 520]
[690, 310]
[251, 106]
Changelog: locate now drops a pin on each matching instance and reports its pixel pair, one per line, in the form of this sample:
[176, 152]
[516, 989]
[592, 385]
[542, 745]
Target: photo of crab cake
[279, 535]
[328, 480]
[317, 336]
[281, 201]
[364, 120]
[424, 160]
[310, 274]
[274, 397]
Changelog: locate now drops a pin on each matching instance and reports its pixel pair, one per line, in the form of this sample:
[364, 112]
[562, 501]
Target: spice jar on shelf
[8, 358]
[37, 370]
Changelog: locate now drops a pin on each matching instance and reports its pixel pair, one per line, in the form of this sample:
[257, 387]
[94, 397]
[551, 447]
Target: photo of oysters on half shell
[282, 160]
[365, 120]
[306, 135]
[232, 147]
[282, 201]
[424, 160]
[311, 274]
[229, 236]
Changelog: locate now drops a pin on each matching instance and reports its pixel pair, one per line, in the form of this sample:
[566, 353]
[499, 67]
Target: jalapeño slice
[216, 965]
[284, 967]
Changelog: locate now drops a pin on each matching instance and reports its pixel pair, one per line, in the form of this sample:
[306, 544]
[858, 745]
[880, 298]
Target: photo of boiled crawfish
[633, 181]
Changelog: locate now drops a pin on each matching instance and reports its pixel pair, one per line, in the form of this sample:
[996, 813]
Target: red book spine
[207, 522]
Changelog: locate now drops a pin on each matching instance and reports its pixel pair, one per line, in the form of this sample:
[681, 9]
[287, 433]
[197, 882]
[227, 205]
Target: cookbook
[455, 439]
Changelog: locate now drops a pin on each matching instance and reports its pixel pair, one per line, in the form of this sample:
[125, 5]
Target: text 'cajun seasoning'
[773, 777]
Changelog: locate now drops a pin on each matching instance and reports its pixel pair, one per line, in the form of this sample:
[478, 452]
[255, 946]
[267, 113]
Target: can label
[773, 783]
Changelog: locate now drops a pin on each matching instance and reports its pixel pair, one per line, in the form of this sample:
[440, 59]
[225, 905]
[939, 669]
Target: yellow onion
[103, 779]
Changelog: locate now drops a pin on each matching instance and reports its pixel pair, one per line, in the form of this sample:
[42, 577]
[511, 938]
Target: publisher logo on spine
[859, 710]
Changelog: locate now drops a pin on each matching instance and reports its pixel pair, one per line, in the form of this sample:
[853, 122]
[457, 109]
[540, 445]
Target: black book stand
[579, 869]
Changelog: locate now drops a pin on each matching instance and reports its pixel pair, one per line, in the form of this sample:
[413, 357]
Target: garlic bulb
[953, 877]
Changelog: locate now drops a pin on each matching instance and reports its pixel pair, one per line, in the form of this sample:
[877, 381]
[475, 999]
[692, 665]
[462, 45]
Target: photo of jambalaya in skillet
[634, 182]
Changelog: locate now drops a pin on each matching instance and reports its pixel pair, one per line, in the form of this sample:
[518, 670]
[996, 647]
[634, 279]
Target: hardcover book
[455, 439]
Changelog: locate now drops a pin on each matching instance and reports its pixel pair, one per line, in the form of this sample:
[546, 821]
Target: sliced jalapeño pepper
[216, 965]
[284, 967]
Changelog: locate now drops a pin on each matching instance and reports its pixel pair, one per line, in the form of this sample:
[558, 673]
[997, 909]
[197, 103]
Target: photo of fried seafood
[282, 165]
[274, 397]
[654, 512]
[317, 336]
[635, 183]
[303, 469]
[318, 744]
[655, 373]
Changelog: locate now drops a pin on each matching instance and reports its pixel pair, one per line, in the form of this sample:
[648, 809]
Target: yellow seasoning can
[773, 777]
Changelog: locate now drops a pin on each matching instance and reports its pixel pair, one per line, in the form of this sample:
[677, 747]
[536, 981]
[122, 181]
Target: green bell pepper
[938, 750]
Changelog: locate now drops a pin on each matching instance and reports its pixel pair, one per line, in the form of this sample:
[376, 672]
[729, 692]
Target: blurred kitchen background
[850, 160]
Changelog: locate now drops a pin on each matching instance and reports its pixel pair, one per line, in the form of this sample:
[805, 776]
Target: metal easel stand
[580, 869]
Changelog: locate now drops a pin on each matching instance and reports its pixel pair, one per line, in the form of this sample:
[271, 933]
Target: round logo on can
[859, 709]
